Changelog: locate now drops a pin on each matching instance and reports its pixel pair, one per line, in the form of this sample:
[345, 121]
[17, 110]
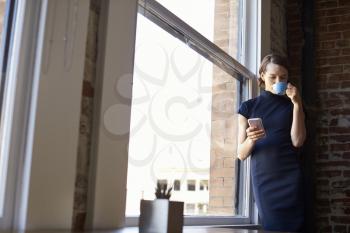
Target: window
[219, 15]
[187, 86]
[7, 9]
[21, 37]
[203, 185]
[190, 208]
[191, 185]
[177, 185]
[162, 183]
[202, 208]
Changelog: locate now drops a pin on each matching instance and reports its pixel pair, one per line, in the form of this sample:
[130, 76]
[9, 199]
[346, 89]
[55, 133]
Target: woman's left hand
[293, 94]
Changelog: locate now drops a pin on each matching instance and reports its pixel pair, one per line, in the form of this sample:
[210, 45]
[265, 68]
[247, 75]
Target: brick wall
[224, 122]
[278, 27]
[294, 40]
[332, 53]
[84, 147]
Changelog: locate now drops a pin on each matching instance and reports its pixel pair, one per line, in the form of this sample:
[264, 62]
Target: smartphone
[256, 122]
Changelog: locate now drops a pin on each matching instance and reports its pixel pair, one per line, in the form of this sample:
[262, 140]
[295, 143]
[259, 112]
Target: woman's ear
[262, 76]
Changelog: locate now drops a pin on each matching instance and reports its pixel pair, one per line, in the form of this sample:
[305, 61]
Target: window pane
[191, 185]
[162, 182]
[203, 185]
[217, 20]
[183, 126]
[190, 209]
[202, 208]
[177, 185]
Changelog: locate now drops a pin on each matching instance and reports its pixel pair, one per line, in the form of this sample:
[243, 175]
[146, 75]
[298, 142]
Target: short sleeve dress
[275, 164]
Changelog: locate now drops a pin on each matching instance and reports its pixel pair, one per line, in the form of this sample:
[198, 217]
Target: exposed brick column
[84, 147]
[224, 123]
[332, 33]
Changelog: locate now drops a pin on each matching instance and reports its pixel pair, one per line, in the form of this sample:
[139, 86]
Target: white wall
[106, 207]
[54, 151]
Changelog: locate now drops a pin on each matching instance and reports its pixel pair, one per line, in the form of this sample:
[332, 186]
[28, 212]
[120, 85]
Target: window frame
[6, 98]
[249, 57]
[20, 93]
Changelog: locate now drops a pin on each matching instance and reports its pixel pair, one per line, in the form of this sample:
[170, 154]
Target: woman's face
[274, 74]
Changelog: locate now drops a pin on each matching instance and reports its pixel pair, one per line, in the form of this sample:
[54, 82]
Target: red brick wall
[278, 28]
[332, 70]
[294, 40]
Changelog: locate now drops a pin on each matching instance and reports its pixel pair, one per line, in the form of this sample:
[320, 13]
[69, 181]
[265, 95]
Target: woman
[275, 168]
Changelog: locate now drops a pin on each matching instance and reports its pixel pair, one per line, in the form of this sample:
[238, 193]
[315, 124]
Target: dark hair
[274, 59]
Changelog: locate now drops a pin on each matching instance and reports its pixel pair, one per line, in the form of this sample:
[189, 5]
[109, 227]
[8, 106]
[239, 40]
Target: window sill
[186, 229]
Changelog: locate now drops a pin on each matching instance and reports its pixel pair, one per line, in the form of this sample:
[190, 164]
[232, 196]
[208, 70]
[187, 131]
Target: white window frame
[249, 56]
[24, 74]
[17, 98]
[7, 98]
[41, 66]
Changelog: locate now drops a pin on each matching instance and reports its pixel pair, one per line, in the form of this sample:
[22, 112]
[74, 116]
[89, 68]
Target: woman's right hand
[254, 133]
[247, 136]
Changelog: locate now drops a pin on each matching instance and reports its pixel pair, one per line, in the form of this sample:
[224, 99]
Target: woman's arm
[298, 130]
[247, 136]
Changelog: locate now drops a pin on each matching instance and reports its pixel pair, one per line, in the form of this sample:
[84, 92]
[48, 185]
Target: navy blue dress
[275, 164]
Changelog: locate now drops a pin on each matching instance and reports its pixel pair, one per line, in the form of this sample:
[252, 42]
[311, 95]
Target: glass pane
[203, 185]
[183, 126]
[190, 209]
[217, 20]
[191, 185]
[177, 185]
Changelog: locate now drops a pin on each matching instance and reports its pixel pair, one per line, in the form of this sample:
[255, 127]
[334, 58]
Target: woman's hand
[255, 134]
[293, 94]
[247, 136]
